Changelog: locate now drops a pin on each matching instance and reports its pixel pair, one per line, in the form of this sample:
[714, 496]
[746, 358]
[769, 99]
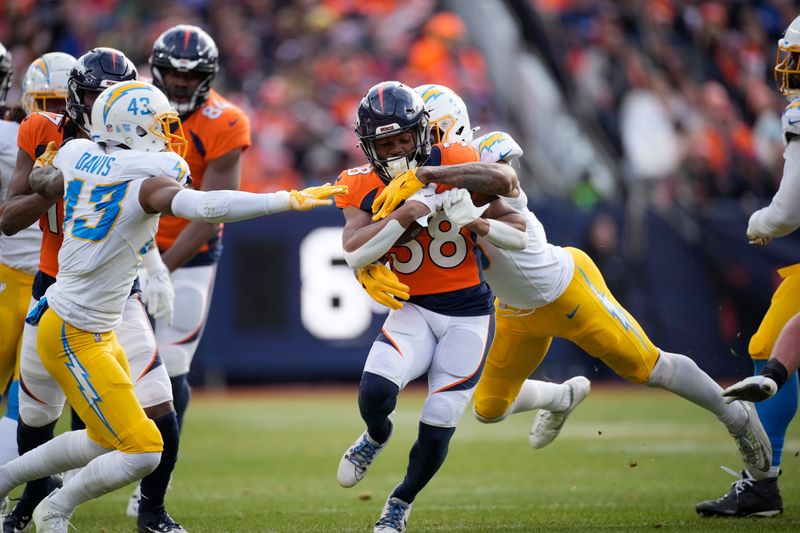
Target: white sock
[536, 394]
[679, 374]
[66, 451]
[8, 440]
[104, 474]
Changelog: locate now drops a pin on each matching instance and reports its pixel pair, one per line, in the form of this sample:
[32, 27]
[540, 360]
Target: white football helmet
[449, 116]
[46, 78]
[787, 64]
[138, 115]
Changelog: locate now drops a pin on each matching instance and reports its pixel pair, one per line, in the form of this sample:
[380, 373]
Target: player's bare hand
[382, 285]
[752, 389]
[312, 197]
[46, 159]
[758, 241]
[399, 189]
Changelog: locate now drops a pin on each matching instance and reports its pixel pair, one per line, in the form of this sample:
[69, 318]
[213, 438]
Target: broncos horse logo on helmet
[390, 108]
[95, 71]
[186, 49]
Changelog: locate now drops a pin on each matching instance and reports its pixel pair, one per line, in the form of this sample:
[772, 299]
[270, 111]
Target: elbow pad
[376, 247]
[506, 237]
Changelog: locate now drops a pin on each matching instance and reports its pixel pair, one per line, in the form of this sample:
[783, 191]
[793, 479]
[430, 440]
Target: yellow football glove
[399, 189]
[47, 156]
[382, 285]
[312, 197]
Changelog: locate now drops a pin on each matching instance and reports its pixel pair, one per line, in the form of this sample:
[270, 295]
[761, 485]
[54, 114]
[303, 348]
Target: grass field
[628, 460]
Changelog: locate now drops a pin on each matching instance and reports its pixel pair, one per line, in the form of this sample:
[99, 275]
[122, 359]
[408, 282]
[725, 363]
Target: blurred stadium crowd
[681, 89]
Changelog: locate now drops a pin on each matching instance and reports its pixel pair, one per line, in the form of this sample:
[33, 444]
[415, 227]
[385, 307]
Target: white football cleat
[547, 424]
[133, 502]
[394, 516]
[754, 445]
[357, 459]
[49, 519]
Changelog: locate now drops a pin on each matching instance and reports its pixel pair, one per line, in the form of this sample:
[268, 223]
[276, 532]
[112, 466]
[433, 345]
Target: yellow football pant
[784, 305]
[15, 295]
[586, 314]
[92, 370]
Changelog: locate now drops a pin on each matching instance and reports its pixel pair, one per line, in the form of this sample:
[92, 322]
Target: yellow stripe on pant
[784, 305]
[15, 295]
[586, 314]
[93, 371]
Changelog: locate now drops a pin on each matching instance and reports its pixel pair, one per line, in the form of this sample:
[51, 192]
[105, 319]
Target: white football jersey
[790, 121]
[540, 273]
[19, 251]
[106, 230]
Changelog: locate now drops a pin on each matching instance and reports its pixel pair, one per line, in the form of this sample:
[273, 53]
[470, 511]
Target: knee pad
[601, 342]
[491, 410]
[35, 414]
[442, 410]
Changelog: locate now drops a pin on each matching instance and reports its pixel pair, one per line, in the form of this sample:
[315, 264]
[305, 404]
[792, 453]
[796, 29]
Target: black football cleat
[20, 519]
[157, 521]
[747, 497]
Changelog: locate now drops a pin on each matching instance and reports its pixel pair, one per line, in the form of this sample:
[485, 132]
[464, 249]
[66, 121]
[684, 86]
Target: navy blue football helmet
[387, 109]
[94, 71]
[6, 71]
[187, 49]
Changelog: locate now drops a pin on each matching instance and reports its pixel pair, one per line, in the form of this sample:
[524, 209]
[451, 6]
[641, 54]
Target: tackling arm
[782, 215]
[485, 178]
[221, 173]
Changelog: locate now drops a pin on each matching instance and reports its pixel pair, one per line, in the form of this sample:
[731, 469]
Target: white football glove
[459, 208]
[427, 195]
[752, 389]
[497, 146]
[157, 291]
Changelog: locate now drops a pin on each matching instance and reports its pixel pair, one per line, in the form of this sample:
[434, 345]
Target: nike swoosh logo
[793, 122]
[233, 122]
[572, 314]
[503, 156]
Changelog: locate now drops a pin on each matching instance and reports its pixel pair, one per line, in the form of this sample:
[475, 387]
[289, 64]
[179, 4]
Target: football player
[41, 399]
[115, 187]
[761, 497]
[445, 328]
[184, 62]
[44, 88]
[545, 291]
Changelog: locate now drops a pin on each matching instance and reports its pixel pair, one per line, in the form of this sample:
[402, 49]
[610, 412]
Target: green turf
[630, 459]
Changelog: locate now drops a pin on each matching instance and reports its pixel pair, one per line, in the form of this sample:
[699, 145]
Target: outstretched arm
[166, 196]
[782, 215]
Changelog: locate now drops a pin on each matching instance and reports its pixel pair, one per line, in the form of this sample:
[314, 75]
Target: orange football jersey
[35, 132]
[439, 259]
[213, 130]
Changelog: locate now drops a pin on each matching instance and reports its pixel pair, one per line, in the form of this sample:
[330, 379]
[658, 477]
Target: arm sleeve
[782, 215]
[227, 206]
[376, 247]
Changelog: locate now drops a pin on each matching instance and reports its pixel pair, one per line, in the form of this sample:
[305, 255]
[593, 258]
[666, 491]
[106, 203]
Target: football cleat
[50, 519]
[357, 459]
[133, 502]
[747, 497]
[547, 424]
[157, 522]
[754, 445]
[394, 516]
[20, 519]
